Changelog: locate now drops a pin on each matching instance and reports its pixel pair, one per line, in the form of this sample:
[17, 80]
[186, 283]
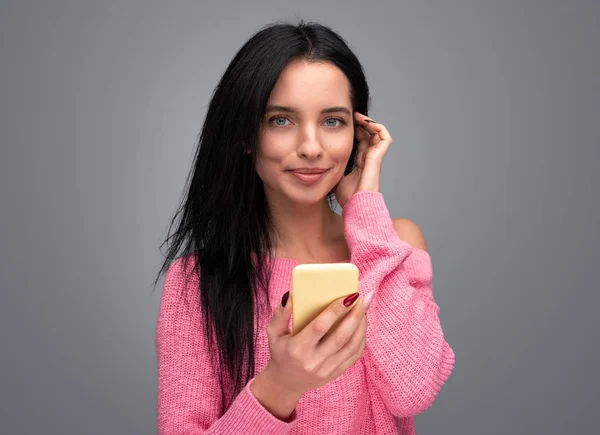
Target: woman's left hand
[374, 140]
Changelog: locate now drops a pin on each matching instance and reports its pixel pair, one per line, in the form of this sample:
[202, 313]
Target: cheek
[274, 147]
[268, 159]
[342, 148]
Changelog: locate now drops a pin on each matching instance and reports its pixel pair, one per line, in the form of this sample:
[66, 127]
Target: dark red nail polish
[350, 299]
[284, 299]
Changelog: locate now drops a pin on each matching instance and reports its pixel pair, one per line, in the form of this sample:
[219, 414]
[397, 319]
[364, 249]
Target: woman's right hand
[318, 353]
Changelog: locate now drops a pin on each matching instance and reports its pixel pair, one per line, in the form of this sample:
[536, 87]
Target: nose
[309, 146]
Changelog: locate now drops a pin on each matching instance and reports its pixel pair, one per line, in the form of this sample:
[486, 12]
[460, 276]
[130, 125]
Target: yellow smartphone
[315, 286]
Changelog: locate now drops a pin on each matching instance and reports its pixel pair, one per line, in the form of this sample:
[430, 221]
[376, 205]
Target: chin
[305, 196]
[302, 195]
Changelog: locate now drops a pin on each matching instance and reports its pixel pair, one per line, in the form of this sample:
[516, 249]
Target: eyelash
[285, 117]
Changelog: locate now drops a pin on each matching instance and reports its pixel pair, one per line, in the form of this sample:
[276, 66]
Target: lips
[308, 175]
[308, 170]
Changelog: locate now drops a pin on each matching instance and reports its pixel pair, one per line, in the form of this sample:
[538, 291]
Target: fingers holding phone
[329, 345]
[327, 308]
[329, 328]
[340, 360]
[344, 341]
[341, 326]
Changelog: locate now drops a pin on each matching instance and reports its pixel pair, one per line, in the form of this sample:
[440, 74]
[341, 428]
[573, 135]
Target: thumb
[282, 315]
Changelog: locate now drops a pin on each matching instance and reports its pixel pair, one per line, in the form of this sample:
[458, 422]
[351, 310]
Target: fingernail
[368, 299]
[369, 120]
[350, 299]
[284, 299]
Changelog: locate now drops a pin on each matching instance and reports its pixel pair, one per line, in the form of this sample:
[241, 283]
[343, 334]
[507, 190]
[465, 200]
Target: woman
[286, 132]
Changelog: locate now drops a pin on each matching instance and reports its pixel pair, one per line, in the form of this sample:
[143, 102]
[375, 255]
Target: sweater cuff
[368, 226]
[251, 413]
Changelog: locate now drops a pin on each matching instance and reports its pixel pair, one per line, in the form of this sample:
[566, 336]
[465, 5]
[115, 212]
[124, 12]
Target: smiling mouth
[308, 170]
[311, 176]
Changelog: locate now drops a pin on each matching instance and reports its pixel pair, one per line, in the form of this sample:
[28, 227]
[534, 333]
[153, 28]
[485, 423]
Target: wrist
[273, 396]
[360, 192]
[368, 188]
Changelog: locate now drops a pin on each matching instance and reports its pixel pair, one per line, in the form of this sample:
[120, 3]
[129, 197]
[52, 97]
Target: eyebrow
[289, 109]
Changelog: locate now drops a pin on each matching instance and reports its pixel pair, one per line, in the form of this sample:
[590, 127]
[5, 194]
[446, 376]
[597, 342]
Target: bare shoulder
[410, 232]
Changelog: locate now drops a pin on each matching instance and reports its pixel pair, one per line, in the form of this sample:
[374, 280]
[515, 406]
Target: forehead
[311, 85]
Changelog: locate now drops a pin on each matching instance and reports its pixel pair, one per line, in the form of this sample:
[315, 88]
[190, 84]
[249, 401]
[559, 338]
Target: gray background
[494, 107]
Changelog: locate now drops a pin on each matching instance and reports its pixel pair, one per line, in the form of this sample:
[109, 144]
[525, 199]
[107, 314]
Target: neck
[305, 231]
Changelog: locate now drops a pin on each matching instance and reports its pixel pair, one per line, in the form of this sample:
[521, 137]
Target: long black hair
[223, 218]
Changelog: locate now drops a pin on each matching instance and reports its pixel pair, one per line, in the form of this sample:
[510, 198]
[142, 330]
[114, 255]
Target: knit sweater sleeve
[406, 357]
[189, 393]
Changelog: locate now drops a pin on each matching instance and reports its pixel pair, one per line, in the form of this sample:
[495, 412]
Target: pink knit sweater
[405, 362]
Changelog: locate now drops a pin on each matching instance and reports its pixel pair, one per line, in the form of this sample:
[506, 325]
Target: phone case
[315, 286]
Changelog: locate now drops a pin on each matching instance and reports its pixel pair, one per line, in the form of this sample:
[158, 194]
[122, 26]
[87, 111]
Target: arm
[406, 357]
[189, 394]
